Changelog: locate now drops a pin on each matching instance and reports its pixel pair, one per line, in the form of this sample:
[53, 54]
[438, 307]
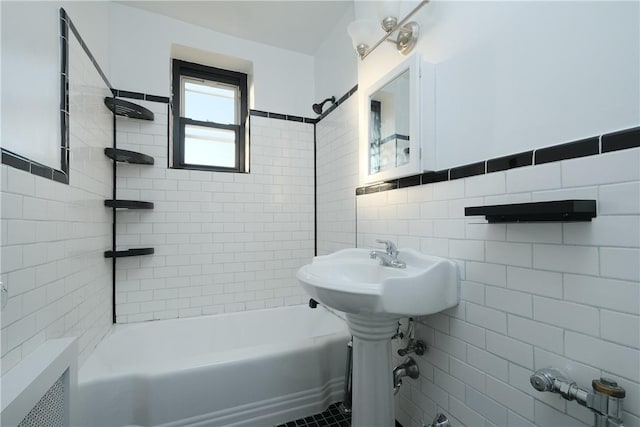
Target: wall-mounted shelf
[120, 107]
[127, 156]
[129, 252]
[555, 211]
[128, 204]
[124, 108]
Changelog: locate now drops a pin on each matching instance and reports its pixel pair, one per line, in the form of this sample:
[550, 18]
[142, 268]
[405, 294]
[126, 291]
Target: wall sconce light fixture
[362, 32]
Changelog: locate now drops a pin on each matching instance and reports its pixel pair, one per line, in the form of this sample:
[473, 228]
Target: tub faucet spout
[408, 369]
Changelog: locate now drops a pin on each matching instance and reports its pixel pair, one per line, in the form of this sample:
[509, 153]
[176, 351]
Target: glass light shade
[362, 31]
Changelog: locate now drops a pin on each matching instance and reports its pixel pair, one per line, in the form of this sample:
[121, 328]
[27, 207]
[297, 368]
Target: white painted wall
[141, 58]
[31, 71]
[335, 62]
[512, 76]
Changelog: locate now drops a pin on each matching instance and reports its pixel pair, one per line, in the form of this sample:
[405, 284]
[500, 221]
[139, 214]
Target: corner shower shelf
[129, 252]
[128, 204]
[127, 156]
[124, 108]
[554, 211]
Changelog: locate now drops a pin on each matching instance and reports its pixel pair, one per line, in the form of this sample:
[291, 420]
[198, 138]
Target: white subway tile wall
[533, 295]
[223, 241]
[336, 178]
[54, 235]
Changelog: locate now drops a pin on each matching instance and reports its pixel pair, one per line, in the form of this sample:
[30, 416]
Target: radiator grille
[50, 410]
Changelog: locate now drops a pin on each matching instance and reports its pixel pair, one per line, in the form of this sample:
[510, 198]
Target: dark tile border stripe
[64, 91]
[409, 181]
[431, 177]
[42, 171]
[127, 94]
[510, 162]
[384, 186]
[620, 140]
[141, 96]
[20, 162]
[465, 171]
[15, 161]
[279, 116]
[571, 150]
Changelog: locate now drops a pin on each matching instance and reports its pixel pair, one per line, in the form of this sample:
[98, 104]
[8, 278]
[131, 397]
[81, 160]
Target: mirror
[389, 131]
[393, 142]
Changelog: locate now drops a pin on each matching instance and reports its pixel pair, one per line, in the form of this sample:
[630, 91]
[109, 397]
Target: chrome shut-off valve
[605, 399]
[413, 346]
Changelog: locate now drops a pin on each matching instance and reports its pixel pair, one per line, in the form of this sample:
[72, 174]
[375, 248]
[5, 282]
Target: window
[209, 118]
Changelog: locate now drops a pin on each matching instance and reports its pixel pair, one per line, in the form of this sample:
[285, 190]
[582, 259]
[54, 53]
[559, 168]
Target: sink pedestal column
[372, 402]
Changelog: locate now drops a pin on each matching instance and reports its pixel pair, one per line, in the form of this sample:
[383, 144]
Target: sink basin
[350, 281]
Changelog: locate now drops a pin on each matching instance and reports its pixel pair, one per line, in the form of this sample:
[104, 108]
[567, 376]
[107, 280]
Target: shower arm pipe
[317, 108]
[397, 27]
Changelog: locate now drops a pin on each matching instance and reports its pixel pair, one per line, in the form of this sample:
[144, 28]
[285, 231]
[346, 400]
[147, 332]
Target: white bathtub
[255, 368]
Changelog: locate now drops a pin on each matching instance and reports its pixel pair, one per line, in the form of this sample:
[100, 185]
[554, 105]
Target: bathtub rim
[96, 369]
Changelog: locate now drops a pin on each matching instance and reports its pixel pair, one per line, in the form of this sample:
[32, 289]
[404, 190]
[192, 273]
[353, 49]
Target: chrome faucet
[389, 258]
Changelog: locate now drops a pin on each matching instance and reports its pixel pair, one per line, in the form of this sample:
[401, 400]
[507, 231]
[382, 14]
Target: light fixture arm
[405, 34]
[413, 27]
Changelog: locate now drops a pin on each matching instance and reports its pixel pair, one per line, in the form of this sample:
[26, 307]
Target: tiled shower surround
[223, 241]
[336, 178]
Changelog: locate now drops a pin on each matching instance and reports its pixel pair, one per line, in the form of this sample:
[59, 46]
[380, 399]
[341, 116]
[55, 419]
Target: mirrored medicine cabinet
[397, 138]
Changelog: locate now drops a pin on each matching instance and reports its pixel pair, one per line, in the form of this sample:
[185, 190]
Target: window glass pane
[209, 101]
[209, 146]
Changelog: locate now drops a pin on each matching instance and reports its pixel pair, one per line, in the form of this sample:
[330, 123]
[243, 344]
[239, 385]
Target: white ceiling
[300, 26]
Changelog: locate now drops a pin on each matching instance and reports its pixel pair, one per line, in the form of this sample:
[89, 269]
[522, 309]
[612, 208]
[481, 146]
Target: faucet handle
[391, 248]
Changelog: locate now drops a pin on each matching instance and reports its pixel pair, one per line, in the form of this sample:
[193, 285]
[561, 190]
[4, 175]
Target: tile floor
[331, 417]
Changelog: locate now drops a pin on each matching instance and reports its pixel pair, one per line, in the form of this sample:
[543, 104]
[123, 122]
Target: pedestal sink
[374, 297]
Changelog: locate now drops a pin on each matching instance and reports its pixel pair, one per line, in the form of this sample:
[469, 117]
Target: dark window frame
[189, 69]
